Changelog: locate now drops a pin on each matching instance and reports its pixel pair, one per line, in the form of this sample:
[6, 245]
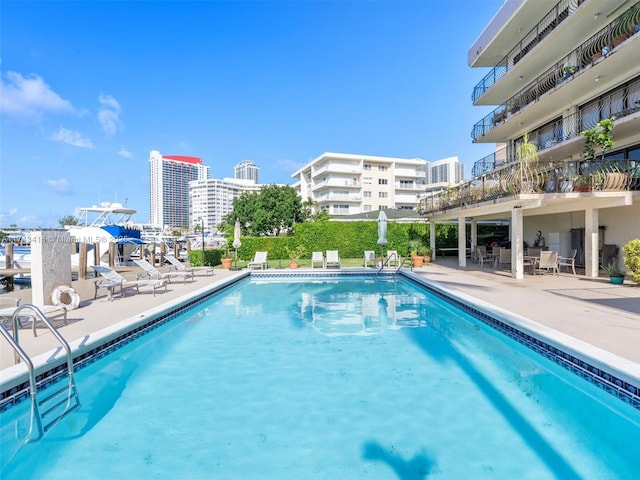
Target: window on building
[383, 168]
[366, 194]
[366, 166]
[383, 181]
[383, 194]
[339, 209]
[367, 180]
[366, 208]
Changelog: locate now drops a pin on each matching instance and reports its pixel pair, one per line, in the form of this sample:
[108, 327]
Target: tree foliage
[68, 220]
[272, 211]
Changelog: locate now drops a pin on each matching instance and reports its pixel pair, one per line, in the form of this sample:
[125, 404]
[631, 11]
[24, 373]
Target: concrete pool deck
[591, 310]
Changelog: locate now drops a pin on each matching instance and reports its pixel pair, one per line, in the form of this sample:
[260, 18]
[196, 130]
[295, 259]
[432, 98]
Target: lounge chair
[6, 313]
[333, 259]
[393, 259]
[152, 272]
[259, 261]
[317, 257]
[181, 267]
[569, 261]
[112, 280]
[369, 257]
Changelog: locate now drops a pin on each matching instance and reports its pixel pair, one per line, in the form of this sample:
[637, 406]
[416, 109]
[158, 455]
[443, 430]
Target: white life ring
[67, 296]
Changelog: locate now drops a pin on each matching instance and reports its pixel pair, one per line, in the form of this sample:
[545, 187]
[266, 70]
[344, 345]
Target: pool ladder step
[52, 402]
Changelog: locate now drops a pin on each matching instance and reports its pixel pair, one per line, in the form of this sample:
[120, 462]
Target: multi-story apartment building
[346, 184]
[557, 69]
[246, 170]
[169, 193]
[211, 199]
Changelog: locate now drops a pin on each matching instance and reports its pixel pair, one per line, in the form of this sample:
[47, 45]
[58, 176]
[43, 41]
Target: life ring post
[65, 295]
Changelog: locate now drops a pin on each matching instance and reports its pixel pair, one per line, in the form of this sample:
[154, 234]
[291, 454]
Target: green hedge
[211, 257]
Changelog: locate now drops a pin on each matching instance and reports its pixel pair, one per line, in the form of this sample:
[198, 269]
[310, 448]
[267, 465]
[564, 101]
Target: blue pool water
[329, 380]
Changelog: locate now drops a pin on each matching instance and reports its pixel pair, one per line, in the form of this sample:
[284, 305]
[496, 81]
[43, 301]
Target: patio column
[462, 241]
[591, 242]
[517, 240]
[432, 238]
[474, 235]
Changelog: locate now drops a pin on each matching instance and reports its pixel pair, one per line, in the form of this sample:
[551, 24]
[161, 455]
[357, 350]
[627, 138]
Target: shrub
[632, 258]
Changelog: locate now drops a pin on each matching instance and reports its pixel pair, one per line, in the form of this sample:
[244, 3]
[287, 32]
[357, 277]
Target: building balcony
[336, 182]
[552, 178]
[333, 197]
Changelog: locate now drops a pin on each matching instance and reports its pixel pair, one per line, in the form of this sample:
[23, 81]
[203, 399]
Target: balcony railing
[557, 15]
[539, 178]
[599, 45]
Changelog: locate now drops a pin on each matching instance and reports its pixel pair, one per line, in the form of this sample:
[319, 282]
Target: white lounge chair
[259, 261]
[548, 262]
[317, 257]
[369, 258]
[333, 259]
[569, 261]
[152, 272]
[112, 280]
[6, 313]
[393, 260]
[181, 267]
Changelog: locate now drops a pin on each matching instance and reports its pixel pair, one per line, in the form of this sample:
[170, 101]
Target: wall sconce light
[596, 15]
[597, 79]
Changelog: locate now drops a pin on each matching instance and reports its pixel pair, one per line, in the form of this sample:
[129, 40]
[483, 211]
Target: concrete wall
[50, 264]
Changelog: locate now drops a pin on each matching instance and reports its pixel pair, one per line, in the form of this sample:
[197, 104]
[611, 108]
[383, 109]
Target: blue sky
[90, 87]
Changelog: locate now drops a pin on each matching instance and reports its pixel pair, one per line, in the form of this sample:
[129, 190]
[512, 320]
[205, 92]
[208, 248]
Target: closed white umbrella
[382, 233]
[236, 238]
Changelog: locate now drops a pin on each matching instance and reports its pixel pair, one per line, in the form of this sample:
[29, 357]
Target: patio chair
[369, 258]
[548, 262]
[112, 280]
[152, 272]
[569, 261]
[6, 313]
[259, 261]
[504, 257]
[393, 260]
[317, 257]
[333, 259]
[181, 267]
[481, 254]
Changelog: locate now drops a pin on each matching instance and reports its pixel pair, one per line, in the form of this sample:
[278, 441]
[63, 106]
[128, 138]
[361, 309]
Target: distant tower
[246, 170]
[169, 176]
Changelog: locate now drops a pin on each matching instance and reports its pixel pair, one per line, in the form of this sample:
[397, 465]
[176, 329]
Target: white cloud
[109, 113]
[61, 186]
[72, 138]
[125, 153]
[30, 97]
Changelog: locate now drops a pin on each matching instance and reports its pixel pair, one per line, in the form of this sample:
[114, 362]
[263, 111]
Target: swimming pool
[334, 377]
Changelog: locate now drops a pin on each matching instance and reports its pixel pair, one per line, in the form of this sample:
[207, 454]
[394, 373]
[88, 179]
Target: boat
[102, 225]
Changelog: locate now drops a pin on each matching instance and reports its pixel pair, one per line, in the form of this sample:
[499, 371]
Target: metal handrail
[35, 413]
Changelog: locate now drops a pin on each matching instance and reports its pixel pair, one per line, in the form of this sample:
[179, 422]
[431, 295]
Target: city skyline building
[246, 170]
[169, 177]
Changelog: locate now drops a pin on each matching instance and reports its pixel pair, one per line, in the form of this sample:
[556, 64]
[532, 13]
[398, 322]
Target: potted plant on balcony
[294, 255]
[582, 183]
[615, 275]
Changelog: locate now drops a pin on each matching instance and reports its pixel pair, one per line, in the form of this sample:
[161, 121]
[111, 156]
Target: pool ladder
[45, 413]
[402, 262]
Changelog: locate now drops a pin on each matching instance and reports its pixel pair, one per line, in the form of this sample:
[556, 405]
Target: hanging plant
[600, 136]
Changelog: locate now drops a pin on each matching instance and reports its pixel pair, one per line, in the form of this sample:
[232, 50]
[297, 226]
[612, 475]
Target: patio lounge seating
[548, 262]
[181, 267]
[369, 258]
[569, 261]
[112, 280]
[259, 261]
[393, 260]
[317, 257]
[6, 313]
[333, 259]
[152, 272]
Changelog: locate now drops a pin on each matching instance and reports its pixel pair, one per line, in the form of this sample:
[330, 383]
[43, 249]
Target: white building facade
[169, 177]
[347, 184]
[211, 199]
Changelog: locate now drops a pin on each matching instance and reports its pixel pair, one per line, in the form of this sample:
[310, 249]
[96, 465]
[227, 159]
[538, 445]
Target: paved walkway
[592, 310]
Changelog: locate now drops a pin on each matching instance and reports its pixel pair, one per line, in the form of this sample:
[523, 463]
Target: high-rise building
[169, 193]
[347, 184]
[211, 199]
[246, 170]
